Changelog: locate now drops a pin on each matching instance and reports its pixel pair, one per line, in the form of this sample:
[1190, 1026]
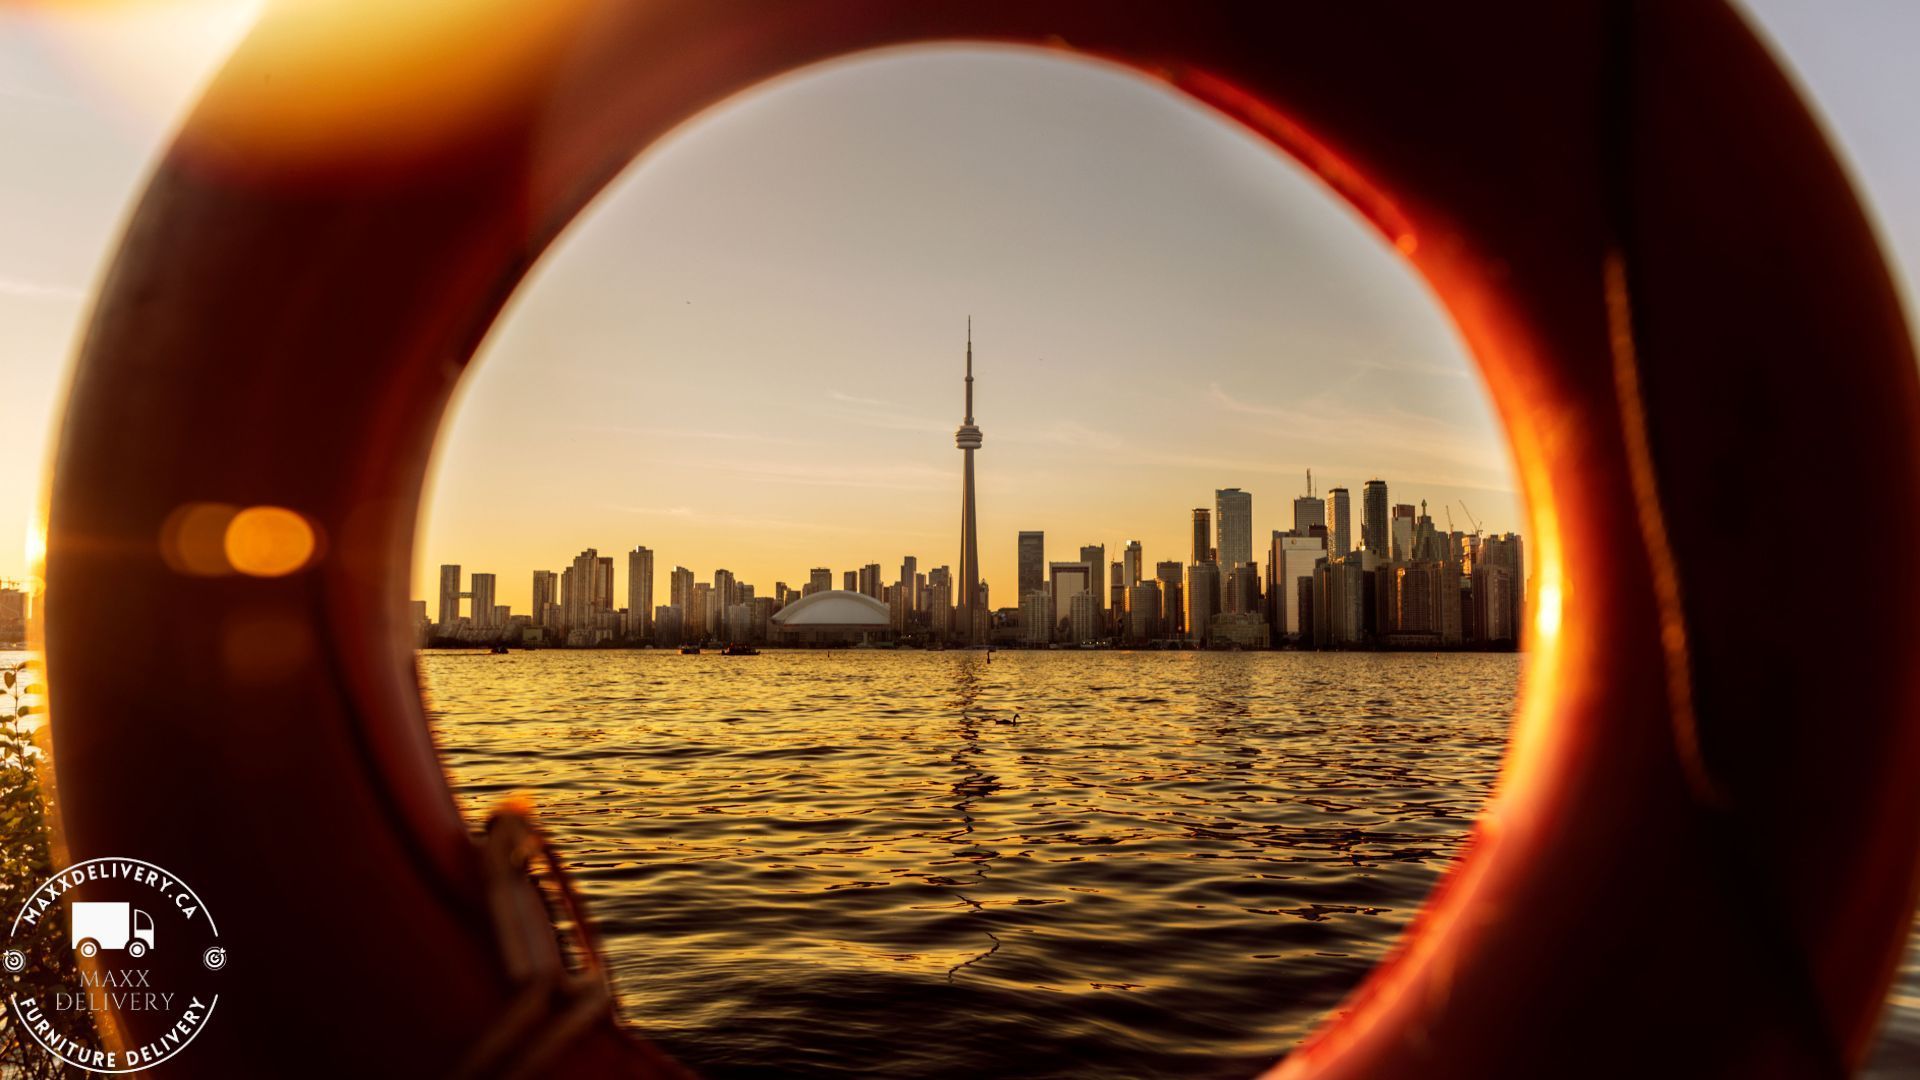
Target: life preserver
[1703, 851]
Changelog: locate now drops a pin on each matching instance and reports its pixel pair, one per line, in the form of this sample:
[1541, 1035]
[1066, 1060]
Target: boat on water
[739, 650]
[689, 650]
[498, 650]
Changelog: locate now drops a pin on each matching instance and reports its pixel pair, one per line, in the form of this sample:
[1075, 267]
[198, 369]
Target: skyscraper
[909, 581]
[1173, 608]
[680, 589]
[449, 593]
[1133, 560]
[870, 580]
[967, 438]
[1233, 511]
[1340, 529]
[1203, 601]
[1373, 518]
[482, 594]
[1292, 561]
[1033, 563]
[639, 591]
[577, 590]
[1202, 535]
[1095, 555]
[1402, 536]
[819, 579]
[1067, 580]
[1143, 610]
[725, 594]
[545, 584]
[1308, 510]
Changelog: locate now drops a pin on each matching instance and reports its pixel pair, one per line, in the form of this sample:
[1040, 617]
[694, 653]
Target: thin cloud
[875, 477]
[33, 290]
[702, 434]
[692, 515]
[855, 399]
[1392, 438]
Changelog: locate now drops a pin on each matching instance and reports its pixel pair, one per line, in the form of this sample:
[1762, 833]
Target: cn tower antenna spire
[969, 369]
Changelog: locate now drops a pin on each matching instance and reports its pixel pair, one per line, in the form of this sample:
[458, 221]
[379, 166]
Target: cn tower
[968, 440]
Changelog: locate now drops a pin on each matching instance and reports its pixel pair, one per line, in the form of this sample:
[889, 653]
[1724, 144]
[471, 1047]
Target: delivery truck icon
[109, 925]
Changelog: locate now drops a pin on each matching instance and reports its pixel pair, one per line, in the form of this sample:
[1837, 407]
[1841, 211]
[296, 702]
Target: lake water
[938, 864]
[1044, 864]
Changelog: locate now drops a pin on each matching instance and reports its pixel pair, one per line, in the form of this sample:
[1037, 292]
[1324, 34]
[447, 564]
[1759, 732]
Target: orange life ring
[1673, 292]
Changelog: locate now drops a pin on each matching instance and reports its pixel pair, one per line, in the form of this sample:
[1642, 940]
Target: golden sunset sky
[747, 354]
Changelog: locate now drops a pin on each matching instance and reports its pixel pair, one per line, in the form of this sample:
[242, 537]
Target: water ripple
[934, 864]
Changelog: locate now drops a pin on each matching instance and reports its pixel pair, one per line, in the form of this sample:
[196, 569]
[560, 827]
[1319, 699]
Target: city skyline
[1385, 535]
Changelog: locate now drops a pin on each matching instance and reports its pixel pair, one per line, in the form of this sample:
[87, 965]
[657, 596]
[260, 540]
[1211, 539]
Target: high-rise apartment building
[640, 591]
[819, 579]
[1402, 537]
[1340, 528]
[1033, 563]
[546, 586]
[1143, 610]
[1086, 617]
[1202, 535]
[1291, 562]
[910, 582]
[1241, 590]
[481, 596]
[1373, 519]
[1036, 617]
[579, 595]
[698, 617]
[1233, 513]
[1173, 608]
[1095, 555]
[449, 594]
[870, 580]
[1133, 566]
[1509, 553]
[680, 590]
[850, 580]
[1203, 600]
[1067, 580]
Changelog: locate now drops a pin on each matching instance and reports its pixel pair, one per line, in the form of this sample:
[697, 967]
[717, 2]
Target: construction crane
[1449, 512]
[1470, 517]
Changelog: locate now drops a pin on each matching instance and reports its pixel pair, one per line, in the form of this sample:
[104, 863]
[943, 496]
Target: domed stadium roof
[835, 609]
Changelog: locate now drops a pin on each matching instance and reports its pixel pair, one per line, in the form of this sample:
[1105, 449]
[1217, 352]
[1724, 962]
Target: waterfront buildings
[1173, 613]
[449, 594]
[1033, 560]
[546, 595]
[1291, 561]
[1233, 511]
[639, 590]
[1407, 585]
[1402, 532]
[1309, 510]
[1373, 518]
[1203, 600]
